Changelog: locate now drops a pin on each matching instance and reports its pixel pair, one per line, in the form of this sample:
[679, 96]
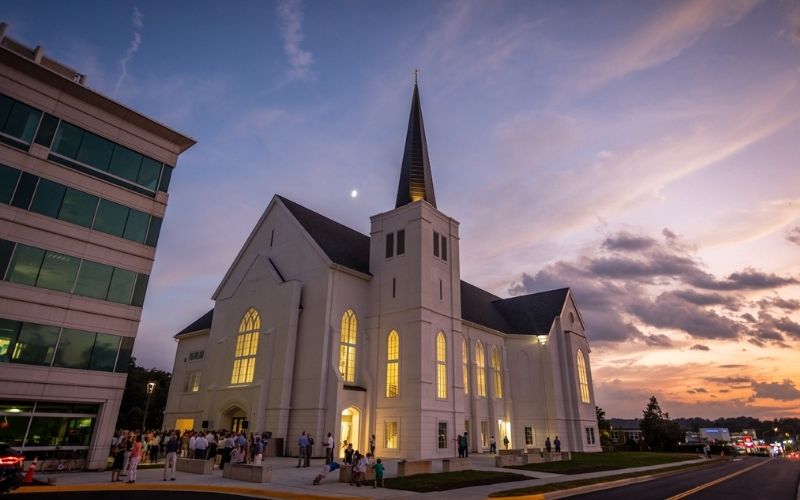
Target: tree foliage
[134, 399]
[658, 431]
[604, 427]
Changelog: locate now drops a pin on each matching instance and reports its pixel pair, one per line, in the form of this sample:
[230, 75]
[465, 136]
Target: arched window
[244, 358]
[480, 360]
[465, 364]
[441, 366]
[347, 349]
[583, 381]
[498, 373]
[392, 363]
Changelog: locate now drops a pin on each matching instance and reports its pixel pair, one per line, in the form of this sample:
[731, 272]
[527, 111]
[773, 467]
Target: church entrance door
[350, 428]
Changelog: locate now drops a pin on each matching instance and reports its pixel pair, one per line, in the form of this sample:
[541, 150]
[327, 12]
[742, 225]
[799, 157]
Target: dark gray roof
[524, 315]
[531, 314]
[416, 181]
[344, 246]
[201, 323]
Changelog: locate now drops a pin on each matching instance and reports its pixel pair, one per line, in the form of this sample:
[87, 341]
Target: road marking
[714, 482]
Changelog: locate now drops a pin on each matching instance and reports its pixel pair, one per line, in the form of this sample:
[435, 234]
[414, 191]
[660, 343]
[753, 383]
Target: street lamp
[151, 387]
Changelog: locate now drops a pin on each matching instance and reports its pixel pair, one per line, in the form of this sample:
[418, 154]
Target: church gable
[277, 229]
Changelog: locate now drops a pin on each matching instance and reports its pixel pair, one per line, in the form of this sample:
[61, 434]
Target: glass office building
[83, 192]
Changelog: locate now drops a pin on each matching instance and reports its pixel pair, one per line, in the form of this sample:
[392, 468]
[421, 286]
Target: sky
[643, 153]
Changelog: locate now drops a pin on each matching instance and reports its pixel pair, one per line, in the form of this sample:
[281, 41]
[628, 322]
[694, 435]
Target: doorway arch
[235, 419]
[350, 428]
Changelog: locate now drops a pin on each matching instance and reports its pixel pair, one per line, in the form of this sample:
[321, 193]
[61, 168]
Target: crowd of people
[129, 449]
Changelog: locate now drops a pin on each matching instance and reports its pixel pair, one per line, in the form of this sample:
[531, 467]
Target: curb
[234, 490]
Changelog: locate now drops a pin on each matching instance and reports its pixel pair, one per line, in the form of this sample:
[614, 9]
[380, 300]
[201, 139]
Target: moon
[353, 193]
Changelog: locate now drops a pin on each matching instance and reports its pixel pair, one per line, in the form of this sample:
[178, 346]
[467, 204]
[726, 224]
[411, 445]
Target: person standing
[136, 455]
[211, 437]
[119, 459]
[372, 444]
[258, 450]
[557, 443]
[492, 445]
[378, 468]
[309, 451]
[547, 445]
[200, 447]
[171, 456]
[302, 445]
[155, 442]
[329, 443]
[465, 445]
[505, 442]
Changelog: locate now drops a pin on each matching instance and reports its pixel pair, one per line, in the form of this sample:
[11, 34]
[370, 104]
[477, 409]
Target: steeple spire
[416, 182]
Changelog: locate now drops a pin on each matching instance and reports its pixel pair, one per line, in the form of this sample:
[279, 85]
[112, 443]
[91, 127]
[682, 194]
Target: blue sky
[643, 153]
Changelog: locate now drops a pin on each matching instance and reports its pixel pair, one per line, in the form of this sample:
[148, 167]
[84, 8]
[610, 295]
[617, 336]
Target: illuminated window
[480, 360]
[392, 364]
[442, 435]
[498, 373]
[582, 380]
[441, 366]
[244, 360]
[465, 365]
[390, 434]
[192, 382]
[347, 349]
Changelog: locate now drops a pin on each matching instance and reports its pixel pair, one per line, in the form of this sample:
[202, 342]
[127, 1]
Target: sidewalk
[289, 482]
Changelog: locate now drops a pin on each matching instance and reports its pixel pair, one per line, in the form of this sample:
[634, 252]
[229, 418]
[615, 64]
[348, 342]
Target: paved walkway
[292, 483]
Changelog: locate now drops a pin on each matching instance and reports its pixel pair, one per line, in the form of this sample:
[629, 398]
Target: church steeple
[416, 182]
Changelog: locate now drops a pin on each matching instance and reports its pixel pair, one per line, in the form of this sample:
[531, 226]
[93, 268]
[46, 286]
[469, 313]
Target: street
[751, 478]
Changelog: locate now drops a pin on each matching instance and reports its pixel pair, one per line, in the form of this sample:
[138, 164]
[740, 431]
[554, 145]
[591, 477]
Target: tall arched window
[465, 364]
[441, 366]
[392, 364]
[583, 381]
[347, 348]
[480, 360]
[498, 373]
[244, 357]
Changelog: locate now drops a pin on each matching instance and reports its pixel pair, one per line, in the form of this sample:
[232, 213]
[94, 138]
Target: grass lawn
[593, 462]
[422, 483]
[565, 485]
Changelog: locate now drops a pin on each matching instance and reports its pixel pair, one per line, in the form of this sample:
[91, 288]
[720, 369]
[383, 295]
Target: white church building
[319, 328]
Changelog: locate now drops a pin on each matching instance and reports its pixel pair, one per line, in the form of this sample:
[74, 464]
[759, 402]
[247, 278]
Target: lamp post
[151, 387]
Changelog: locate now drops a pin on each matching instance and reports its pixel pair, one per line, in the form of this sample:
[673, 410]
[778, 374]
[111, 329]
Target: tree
[658, 431]
[604, 427]
[134, 399]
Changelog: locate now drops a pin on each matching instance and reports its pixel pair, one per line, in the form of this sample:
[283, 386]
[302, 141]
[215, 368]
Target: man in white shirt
[329, 449]
[192, 443]
[200, 445]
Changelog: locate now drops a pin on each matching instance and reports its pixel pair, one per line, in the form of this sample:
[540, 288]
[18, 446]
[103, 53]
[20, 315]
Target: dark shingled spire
[416, 182]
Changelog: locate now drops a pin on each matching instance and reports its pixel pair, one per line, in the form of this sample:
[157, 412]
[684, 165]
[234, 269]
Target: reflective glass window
[48, 197]
[136, 227]
[47, 130]
[8, 337]
[60, 431]
[153, 231]
[111, 218]
[121, 289]
[74, 349]
[104, 353]
[166, 175]
[6, 250]
[125, 163]
[148, 175]
[21, 122]
[140, 290]
[94, 280]
[58, 272]
[68, 140]
[6, 103]
[8, 182]
[125, 350]
[35, 344]
[78, 207]
[95, 151]
[25, 264]
[25, 188]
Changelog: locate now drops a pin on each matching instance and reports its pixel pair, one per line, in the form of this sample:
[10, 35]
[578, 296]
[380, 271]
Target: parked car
[10, 468]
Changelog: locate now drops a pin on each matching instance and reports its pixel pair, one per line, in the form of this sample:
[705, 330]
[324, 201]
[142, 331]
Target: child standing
[378, 468]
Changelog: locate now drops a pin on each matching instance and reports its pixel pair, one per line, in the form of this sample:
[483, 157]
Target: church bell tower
[415, 306]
